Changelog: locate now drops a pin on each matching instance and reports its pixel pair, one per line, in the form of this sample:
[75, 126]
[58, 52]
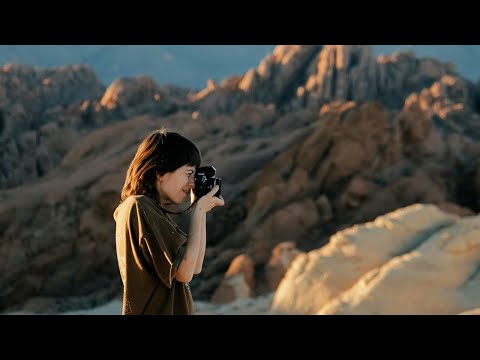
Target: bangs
[179, 151]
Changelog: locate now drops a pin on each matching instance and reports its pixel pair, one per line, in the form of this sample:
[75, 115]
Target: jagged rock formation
[44, 112]
[298, 162]
[299, 76]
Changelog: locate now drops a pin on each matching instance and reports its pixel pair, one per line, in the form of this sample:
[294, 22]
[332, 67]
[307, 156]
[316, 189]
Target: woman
[157, 260]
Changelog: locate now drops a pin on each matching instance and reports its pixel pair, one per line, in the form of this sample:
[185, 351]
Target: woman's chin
[182, 201]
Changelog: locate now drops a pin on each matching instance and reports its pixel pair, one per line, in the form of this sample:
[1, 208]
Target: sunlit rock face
[415, 260]
[298, 163]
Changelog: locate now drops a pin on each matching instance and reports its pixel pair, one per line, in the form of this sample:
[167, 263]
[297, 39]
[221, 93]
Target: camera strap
[181, 212]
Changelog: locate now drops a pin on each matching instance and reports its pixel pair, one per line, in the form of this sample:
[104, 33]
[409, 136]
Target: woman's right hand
[208, 201]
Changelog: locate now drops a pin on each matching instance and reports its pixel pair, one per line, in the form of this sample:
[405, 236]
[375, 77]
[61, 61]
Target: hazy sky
[193, 65]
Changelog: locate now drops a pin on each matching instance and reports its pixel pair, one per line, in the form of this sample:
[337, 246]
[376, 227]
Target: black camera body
[205, 180]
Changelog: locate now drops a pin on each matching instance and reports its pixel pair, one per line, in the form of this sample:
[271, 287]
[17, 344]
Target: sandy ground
[112, 308]
[252, 306]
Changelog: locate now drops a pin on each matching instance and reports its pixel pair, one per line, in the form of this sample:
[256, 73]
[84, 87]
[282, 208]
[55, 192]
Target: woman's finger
[213, 191]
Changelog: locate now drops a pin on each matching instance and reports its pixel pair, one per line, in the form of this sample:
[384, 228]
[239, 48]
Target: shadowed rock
[295, 167]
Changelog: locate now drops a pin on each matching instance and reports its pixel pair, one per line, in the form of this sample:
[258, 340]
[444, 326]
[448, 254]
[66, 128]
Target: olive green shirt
[150, 247]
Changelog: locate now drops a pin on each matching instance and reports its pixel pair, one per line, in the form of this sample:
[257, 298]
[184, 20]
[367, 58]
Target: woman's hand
[208, 201]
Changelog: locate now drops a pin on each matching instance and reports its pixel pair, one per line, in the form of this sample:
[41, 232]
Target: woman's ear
[159, 177]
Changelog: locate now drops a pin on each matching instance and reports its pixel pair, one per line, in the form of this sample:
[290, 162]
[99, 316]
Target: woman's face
[176, 186]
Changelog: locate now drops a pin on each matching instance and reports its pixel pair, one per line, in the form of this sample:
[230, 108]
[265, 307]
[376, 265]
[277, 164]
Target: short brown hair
[160, 152]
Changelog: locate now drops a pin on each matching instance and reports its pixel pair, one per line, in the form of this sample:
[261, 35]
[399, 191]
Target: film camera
[205, 180]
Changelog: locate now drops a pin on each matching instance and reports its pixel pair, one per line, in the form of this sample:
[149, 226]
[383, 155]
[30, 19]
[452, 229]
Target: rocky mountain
[193, 65]
[464, 57]
[314, 140]
[182, 65]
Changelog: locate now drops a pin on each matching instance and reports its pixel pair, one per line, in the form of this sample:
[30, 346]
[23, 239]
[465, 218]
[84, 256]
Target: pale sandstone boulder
[438, 277]
[318, 277]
